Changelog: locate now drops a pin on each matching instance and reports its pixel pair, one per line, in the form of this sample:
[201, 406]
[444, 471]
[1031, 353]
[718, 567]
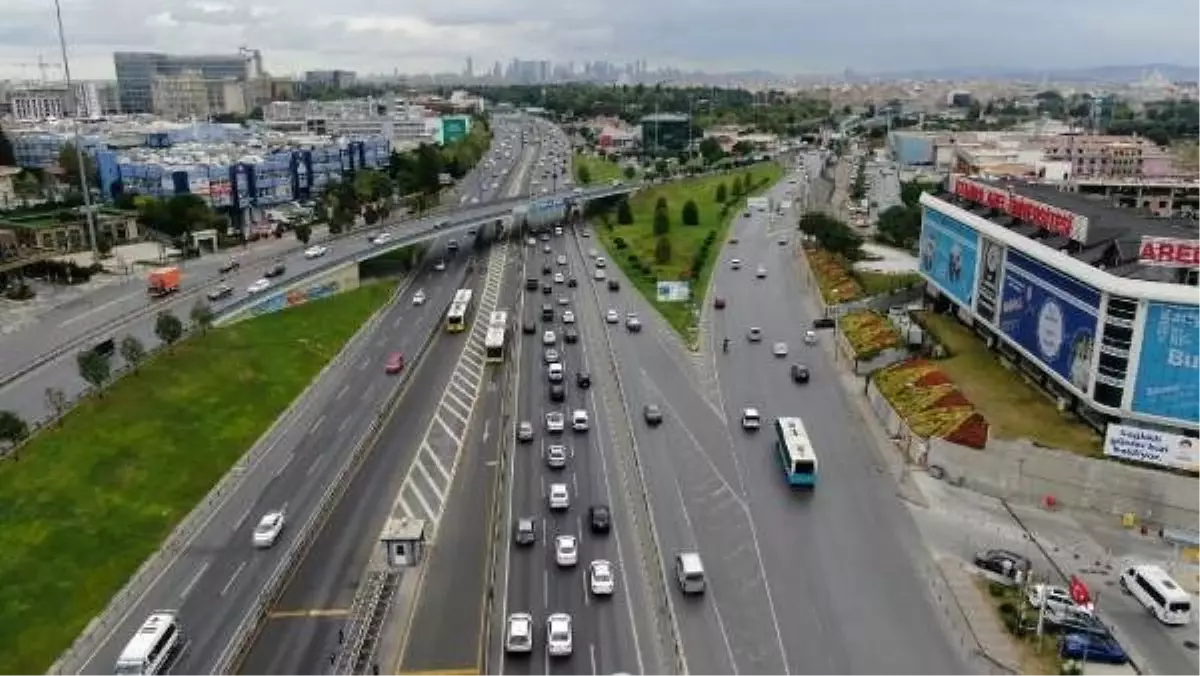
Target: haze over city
[425, 36]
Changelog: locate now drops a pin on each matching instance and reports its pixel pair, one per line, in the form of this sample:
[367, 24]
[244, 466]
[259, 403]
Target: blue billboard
[1052, 315]
[949, 250]
[1168, 370]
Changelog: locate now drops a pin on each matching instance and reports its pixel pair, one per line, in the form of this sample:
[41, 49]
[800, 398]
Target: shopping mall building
[1098, 305]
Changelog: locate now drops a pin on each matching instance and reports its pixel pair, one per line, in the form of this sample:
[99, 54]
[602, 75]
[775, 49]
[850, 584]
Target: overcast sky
[786, 36]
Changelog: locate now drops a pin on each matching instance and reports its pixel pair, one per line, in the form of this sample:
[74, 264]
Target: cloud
[790, 36]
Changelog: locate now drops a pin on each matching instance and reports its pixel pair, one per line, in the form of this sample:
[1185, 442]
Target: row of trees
[832, 235]
[900, 225]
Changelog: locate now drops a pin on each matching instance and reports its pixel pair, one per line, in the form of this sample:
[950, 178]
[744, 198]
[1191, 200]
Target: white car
[779, 350]
[268, 529]
[754, 335]
[440, 266]
[612, 317]
[579, 420]
[561, 260]
[419, 297]
[566, 550]
[315, 251]
[600, 262]
[532, 241]
[599, 275]
[555, 372]
[762, 272]
[558, 278]
[735, 264]
[1057, 600]
[555, 421]
[810, 337]
[568, 317]
[556, 456]
[563, 300]
[381, 238]
[518, 634]
[259, 286]
[559, 498]
[751, 419]
[558, 635]
[548, 338]
[601, 578]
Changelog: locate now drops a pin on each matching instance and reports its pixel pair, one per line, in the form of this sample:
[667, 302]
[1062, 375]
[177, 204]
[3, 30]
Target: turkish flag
[1079, 592]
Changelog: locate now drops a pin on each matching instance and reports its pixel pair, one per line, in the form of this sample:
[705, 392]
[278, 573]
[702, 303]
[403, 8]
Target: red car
[395, 363]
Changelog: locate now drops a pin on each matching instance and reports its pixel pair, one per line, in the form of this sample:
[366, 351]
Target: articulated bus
[795, 452]
[460, 307]
[497, 333]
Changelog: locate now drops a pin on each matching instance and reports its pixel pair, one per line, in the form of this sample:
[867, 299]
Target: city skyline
[429, 38]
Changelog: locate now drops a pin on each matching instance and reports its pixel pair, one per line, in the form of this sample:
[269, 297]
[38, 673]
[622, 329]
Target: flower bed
[931, 404]
[869, 333]
[833, 276]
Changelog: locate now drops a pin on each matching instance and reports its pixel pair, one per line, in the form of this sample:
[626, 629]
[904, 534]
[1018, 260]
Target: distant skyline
[437, 36]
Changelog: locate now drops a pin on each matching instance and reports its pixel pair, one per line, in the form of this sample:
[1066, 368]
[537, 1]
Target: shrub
[662, 251]
[996, 589]
[722, 193]
[662, 223]
[624, 213]
[633, 260]
[691, 213]
[619, 243]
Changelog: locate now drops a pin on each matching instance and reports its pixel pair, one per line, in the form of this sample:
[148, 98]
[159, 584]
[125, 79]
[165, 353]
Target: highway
[611, 635]
[419, 467]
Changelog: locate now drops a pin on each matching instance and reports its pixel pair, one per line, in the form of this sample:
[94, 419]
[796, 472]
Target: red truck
[163, 281]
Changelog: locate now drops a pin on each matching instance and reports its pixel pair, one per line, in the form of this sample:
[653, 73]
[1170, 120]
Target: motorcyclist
[725, 345]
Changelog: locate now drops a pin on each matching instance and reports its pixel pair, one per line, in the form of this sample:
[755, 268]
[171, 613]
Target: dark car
[1004, 563]
[524, 532]
[547, 288]
[546, 269]
[614, 285]
[570, 335]
[557, 392]
[583, 379]
[276, 270]
[1092, 648]
[528, 326]
[799, 373]
[547, 312]
[652, 414]
[222, 291]
[531, 284]
[230, 266]
[599, 518]
[1074, 621]
[719, 303]
[824, 323]
[572, 282]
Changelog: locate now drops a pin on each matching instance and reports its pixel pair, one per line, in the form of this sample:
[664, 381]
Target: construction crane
[42, 65]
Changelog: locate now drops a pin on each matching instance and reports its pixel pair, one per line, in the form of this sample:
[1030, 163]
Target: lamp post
[71, 98]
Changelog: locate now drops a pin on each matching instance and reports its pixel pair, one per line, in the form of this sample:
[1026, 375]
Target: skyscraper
[470, 72]
[136, 72]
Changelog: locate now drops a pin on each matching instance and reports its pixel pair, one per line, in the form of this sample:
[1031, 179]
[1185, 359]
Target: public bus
[497, 334]
[152, 647]
[460, 307]
[795, 452]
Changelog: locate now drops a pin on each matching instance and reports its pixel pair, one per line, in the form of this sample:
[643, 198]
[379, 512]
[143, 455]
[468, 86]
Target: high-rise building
[470, 71]
[335, 79]
[37, 102]
[136, 72]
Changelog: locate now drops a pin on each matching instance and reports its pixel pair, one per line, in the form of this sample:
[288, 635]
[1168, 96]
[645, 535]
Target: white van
[1161, 595]
[689, 572]
[152, 646]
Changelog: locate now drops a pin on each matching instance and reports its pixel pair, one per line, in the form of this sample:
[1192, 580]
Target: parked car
[1092, 648]
[1004, 563]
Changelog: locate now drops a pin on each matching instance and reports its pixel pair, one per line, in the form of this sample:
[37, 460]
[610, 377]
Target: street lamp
[71, 98]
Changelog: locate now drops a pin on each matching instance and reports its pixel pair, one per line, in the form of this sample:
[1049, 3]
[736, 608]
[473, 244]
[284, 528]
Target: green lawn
[883, 283]
[1013, 408]
[600, 169]
[686, 240]
[87, 502]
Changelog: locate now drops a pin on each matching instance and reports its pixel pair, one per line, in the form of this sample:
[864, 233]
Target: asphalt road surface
[212, 581]
[26, 395]
[608, 633]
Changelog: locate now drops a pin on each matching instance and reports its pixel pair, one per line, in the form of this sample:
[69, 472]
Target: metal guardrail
[367, 614]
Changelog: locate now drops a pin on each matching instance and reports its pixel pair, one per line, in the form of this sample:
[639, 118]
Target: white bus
[456, 318]
[153, 646]
[497, 333]
[795, 452]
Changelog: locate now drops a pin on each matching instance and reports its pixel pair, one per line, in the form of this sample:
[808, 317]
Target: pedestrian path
[426, 486]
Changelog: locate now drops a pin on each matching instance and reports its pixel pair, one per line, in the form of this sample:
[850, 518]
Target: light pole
[71, 98]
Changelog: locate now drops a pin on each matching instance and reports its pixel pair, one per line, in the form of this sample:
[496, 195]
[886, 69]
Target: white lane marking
[363, 364]
[446, 427]
[342, 425]
[286, 461]
[592, 653]
[99, 308]
[437, 462]
[461, 392]
[317, 425]
[313, 467]
[429, 512]
[441, 494]
[187, 589]
[396, 324]
[342, 392]
[454, 409]
[575, 484]
[369, 393]
[233, 578]
[242, 519]
[546, 591]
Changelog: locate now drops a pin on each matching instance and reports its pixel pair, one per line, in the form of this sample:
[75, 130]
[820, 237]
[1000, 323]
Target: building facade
[665, 133]
[136, 73]
[1075, 298]
[46, 101]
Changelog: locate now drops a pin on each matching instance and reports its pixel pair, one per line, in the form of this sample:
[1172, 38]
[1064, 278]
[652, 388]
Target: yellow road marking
[312, 612]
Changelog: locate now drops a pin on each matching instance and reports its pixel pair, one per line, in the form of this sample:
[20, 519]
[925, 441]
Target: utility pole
[73, 103]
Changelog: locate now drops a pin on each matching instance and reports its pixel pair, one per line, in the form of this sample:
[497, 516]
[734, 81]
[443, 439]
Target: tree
[742, 148]
[12, 428]
[94, 367]
[202, 315]
[624, 213]
[662, 250]
[661, 167]
[738, 189]
[104, 244]
[56, 401]
[630, 173]
[7, 157]
[660, 205]
[722, 193]
[710, 150]
[691, 213]
[168, 327]
[303, 232]
[583, 174]
[900, 226]
[832, 235]
[662, 223]
[132, 351]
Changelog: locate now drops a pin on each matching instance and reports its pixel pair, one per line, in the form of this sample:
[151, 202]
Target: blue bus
[795, 452]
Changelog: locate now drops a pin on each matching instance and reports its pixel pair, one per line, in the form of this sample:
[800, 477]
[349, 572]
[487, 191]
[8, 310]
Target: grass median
[89, 501]
[600, 170]
[635, 251]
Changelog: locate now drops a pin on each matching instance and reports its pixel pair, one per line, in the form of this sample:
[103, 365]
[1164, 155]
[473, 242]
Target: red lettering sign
[1044, 216]
[1169, 252]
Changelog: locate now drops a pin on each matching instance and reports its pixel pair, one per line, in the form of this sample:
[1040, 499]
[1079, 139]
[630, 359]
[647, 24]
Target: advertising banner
[454, 129]
[949, 251]
[1058, 221]
[1169, 252]
[989, 279]
[674, 292]
[1153, 447]
[1051, 315]
[1168, 370]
